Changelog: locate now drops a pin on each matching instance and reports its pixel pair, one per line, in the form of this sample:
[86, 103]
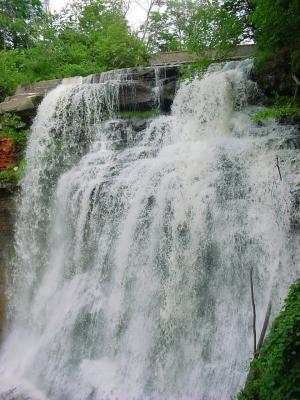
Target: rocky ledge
[142, 81]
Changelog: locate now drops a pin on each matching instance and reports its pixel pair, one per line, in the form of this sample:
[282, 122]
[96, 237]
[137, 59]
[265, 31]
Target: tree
[19, 22]
[277, 27]
[91, 36]
[167, 28]
[214, 26]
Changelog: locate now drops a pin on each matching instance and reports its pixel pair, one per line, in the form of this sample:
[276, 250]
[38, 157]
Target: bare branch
[278, 167]
[254, 312]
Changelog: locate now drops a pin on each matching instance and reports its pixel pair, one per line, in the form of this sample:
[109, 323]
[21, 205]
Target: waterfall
[134, 248]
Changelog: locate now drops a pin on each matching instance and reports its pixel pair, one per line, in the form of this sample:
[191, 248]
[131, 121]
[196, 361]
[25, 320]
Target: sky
[136, 14]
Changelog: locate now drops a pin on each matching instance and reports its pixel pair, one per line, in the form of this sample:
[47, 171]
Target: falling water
[134, 248]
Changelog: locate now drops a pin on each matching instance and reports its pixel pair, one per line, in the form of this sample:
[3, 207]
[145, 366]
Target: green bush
[275, 374]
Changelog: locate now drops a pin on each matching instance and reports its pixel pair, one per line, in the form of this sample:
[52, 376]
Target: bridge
[184, 57]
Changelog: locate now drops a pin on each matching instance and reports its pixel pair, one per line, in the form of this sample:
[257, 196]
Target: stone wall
[7, 220]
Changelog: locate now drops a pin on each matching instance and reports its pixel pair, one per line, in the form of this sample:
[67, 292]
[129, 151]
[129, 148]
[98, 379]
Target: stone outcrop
[136, 91]
[27, 97]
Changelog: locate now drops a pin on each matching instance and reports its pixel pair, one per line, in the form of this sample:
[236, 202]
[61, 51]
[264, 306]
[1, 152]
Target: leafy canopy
[87, 37]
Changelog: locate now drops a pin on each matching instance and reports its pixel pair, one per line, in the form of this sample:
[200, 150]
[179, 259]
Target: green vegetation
[275, 374]
[282, 106]
[11, 126]
[87, 37]
[13, 172]
[215, 26]
[276, 25]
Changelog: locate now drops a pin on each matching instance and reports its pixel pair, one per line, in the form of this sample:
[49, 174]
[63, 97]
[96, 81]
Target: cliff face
[7, 220]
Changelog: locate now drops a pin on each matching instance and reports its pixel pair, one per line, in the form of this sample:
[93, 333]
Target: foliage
[19, 22]
[214, 26]
[275, 374]
[283, 106]
[13, 172]
[195, 69]
[167, 27]
[13, 127]
[93, 38]
[276, 26]
[160, 38]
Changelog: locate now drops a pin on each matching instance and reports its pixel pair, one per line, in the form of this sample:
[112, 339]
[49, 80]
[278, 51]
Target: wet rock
[136, 91]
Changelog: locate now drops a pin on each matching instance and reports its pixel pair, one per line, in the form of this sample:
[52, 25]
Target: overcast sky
[136, 14]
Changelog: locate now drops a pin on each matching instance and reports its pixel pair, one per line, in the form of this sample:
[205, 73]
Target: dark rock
[289, 120]
[168, 93]
[138, 124]
[275, 75]
[7, 217]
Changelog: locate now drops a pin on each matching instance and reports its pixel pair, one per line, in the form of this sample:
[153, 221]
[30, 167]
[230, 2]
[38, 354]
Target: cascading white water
[134, 249]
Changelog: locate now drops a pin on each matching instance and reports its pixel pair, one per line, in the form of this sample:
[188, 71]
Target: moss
[275, 374]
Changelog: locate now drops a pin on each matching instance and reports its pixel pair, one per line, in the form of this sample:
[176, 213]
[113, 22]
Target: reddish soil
[7, 152]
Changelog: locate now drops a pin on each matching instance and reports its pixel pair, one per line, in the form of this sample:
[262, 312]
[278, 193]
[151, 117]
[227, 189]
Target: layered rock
[143, 81]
